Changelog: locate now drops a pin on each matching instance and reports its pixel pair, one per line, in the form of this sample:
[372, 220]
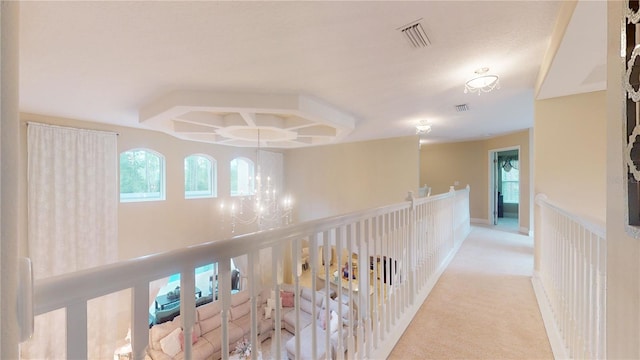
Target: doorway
[505, 188]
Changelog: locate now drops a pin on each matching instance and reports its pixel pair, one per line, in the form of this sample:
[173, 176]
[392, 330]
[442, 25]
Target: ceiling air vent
[462, 107]
[415, 35]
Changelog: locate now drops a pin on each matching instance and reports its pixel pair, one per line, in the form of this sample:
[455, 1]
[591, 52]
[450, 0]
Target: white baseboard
[553, 333]
[525, 231]
[480, 221]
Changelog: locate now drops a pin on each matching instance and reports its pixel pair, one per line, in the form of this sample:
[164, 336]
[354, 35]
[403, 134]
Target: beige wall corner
[570, 145]
[338, 179]
[623, 251]
[468, 163]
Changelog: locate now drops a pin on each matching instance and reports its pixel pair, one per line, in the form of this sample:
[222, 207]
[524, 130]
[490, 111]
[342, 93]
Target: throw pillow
[170, 344]
[194, 338]
[159, 332]
[334, 323]
[287, 299]
[322, 318]
[272, 303]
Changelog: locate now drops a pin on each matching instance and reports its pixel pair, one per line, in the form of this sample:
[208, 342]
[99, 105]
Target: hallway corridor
[483, 306]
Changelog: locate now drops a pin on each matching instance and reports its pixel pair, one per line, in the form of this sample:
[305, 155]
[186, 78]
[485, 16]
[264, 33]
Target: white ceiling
[106, 61]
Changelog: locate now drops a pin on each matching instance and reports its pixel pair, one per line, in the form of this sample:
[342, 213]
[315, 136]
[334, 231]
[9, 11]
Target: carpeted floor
[483, 306]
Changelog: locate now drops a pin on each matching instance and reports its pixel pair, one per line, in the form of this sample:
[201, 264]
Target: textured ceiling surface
[107, 61]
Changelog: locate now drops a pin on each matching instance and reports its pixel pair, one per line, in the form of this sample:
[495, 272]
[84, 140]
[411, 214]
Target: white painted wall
[337, 179]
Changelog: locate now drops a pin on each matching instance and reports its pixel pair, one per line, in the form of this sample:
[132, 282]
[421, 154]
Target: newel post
[412, 246]
[453, 193]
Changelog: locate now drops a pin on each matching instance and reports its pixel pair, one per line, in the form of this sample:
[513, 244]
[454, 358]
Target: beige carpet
[483, 306]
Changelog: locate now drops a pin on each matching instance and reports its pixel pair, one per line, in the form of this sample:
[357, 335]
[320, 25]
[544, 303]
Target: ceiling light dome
[483, 82]
[423, 128]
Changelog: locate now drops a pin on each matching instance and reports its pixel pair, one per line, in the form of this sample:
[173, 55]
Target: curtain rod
[71, 128]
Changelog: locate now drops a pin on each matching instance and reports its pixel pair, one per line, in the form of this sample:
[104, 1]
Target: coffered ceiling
[303, 73]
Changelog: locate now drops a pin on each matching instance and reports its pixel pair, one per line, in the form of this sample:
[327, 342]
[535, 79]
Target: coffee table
[234, 356]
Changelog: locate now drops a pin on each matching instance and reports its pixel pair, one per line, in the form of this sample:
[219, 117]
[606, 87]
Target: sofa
[306, 310]
[287, 315]
[305, 298]
[166, 340]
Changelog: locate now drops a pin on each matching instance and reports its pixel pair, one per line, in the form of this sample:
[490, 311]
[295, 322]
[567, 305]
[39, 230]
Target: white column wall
[9, 172]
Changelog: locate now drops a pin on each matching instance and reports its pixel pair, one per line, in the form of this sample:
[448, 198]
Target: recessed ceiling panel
[202, 117]
[184, 127]
[244, 119]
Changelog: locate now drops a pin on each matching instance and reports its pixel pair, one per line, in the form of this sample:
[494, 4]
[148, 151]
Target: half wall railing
[400, 250]
[571, 281]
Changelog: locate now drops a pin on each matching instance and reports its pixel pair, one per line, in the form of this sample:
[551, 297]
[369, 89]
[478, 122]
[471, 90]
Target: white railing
[413, 241]
[572, 277]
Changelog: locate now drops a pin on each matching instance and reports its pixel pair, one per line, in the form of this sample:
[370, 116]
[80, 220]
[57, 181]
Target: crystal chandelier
[483, 82]
[265, 205]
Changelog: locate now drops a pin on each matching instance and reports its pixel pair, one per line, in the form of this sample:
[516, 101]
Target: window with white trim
[242, 177]
[511, 183]
[142, 176]
[200, 177]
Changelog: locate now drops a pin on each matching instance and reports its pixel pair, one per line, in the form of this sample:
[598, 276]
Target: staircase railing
[413, 241]
[571, 282]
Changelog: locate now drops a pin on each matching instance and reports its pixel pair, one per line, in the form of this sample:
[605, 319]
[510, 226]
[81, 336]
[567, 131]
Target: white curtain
[72, 225]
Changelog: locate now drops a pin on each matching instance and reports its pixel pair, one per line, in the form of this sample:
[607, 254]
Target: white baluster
[140, 323]
[77, 330]
[187, 305]
[224, 293]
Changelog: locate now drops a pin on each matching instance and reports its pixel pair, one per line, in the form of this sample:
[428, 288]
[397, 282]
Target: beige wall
[468, 163]
[324, 181]
[623, 251]
[337, 179]
[570, 143]
[156, 226]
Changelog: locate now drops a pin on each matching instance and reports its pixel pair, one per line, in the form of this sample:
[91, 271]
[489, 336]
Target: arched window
[141, 176]
[200, 177]
[242, 177]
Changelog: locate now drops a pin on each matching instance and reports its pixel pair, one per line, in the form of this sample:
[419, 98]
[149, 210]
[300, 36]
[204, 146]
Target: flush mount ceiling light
[483, 82]
[423, 128]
